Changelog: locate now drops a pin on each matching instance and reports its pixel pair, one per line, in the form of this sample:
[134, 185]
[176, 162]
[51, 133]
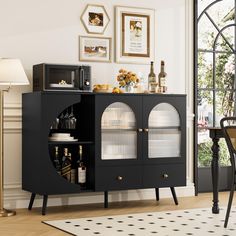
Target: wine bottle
[81, 169]
[57, 163]
[66, 165]
[73, 172]
[162, 78]
[73, 176]
[152, 79]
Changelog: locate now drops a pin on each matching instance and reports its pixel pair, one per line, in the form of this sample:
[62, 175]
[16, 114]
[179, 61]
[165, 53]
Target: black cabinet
[40, 109]
[140, 130]
[130, 141]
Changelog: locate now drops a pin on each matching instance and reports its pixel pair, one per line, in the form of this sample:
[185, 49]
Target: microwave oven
[61, 77]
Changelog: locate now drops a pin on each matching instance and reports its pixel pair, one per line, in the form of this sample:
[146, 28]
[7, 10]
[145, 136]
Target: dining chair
[228, 126]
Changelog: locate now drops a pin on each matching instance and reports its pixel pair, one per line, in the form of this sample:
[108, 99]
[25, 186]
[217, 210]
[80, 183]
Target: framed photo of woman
[135, 33]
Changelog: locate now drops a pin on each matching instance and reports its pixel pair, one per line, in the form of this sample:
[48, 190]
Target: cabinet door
[118, 118]
[164, 128]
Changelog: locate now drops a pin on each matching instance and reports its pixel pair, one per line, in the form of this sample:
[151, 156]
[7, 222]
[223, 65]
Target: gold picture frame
[95, 49]
[95, 19]
[135, 35]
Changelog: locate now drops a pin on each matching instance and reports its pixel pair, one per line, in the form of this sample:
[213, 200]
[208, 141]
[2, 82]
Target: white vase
[129, 89]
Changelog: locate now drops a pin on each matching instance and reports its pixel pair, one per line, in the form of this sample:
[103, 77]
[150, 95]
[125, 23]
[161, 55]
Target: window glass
[215, 71]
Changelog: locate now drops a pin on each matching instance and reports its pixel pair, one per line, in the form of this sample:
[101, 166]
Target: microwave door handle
[81, 79]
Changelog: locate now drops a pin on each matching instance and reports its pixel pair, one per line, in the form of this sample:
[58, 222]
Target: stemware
[55, 124]
[71, 119]
[66, 120]
[61, 121]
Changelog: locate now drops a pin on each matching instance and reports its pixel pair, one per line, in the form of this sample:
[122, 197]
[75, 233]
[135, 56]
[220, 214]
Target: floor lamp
[11, 73]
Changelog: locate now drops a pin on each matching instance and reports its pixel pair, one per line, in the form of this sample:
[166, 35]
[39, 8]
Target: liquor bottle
[57, 163]
[66, 165]
[73, 172]
[81, 169]
[162, 78]
[152, 80]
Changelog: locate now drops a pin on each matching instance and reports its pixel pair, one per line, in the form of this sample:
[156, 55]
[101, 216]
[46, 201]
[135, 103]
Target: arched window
[215, 72]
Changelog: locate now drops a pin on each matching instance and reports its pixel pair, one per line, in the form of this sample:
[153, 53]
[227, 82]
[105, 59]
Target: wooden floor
[27, 223]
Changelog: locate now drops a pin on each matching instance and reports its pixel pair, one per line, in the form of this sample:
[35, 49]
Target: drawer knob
[165, 176]
[140, 130]
[145, 130]
[119, 178]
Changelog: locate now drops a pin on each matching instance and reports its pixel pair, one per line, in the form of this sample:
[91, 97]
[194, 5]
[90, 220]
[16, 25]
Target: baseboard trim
[16, 198]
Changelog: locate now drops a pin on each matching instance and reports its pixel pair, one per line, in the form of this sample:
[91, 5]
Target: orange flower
[126, 78]
[122, 83]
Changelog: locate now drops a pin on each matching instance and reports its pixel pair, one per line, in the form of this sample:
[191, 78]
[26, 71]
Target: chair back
[228, 126]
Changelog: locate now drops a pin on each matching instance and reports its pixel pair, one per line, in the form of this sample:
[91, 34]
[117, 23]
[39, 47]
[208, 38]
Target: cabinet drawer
[164, 175]
[118, 178]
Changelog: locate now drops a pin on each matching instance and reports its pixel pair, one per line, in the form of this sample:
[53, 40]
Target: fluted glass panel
[164, 132]
[119, 136]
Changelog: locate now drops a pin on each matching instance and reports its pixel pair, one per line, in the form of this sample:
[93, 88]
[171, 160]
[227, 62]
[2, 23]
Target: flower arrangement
[127, 78]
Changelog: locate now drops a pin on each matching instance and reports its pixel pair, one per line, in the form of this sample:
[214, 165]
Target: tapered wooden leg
[157, 194]
[45, 200]
[229, 205]
[106, 199]
[174, 195]
[31, 201]
[215, 170]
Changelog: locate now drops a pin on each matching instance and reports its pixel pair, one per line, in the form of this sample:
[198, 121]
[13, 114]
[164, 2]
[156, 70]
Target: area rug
[172, 223]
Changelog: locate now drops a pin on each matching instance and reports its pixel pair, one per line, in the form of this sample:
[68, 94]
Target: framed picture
[95, 19]
[135, 35]
[96, 49]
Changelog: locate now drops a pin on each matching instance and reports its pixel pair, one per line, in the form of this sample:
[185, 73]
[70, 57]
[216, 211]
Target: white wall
[48, 31]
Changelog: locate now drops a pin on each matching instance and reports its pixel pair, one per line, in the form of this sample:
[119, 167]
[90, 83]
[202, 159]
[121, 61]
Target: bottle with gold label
[66, 165]
[57, 163]
[162, 78]
[81, 169]
[152, 79]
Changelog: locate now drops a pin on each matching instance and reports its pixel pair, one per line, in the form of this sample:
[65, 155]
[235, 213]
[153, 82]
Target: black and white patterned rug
[171, 223]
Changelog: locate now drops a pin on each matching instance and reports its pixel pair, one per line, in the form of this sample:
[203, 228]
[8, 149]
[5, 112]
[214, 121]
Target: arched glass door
[164, 132]
[119, 132]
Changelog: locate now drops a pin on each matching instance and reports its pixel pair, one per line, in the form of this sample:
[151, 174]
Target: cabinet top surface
[101, 94]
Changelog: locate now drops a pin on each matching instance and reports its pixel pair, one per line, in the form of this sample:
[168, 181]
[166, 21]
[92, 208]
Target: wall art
[96, 49]
[135, 33]
[95, 19]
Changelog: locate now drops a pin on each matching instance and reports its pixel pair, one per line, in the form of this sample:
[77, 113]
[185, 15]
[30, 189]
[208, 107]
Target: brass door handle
[140, 130]
[119, 178]
[165, 176]
[146, 130]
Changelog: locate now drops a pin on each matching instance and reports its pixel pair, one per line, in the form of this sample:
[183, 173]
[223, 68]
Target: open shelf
[166, 127]
[69, 142]
[118, 129]
[86, 190]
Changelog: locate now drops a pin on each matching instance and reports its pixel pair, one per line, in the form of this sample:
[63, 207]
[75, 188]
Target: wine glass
[71, 119]
[61, 119]
[66, 120]
[55, 124]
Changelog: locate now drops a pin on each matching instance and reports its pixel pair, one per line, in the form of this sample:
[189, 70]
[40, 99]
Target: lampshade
[12, 72]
